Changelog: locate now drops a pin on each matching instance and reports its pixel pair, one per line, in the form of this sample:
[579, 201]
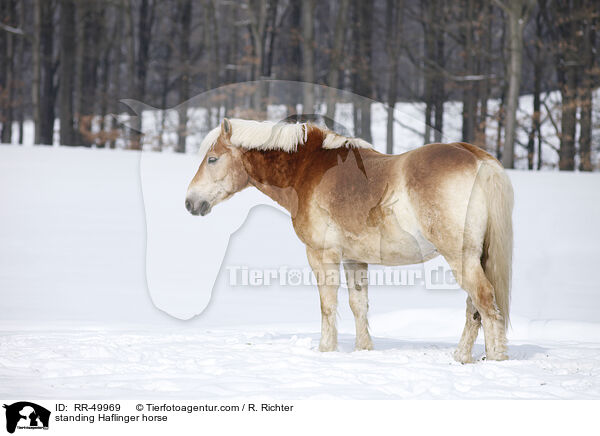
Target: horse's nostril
[204, 206]
[188, 205]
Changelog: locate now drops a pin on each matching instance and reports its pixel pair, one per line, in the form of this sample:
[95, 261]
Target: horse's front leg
[357, 280]
[326, 267]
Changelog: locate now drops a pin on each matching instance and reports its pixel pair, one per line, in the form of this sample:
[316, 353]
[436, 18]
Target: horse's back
[436, 161]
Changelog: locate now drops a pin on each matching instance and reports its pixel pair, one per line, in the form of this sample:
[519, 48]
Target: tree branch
[11, 29]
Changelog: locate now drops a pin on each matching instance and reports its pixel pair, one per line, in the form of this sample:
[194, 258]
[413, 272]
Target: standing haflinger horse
[350, 204]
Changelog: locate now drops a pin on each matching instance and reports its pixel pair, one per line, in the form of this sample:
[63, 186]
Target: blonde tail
[498, 244]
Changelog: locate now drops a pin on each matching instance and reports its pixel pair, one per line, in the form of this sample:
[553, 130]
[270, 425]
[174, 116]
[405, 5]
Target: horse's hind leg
[472, 324]
[357, 280]
[481, 292]
[326, 267]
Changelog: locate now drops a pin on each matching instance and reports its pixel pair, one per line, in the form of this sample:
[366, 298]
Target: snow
[77, 319]
[282, 363]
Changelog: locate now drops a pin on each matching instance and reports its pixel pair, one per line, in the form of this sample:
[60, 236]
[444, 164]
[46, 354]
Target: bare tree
[439, 59]
[363, 86]
[108, 39]
[89, 30]
[333, 74]
[470, 55]
[48, 88]
[308, 55]
[116, 73]
[7, 82]
[485, 31]
[517, 12]
[395, 10]
[185, 22]
[67, 70]
[22, 45]
[566, 37]
[589, 73]
[257, 12]
[535, 133]
[37, 69]
[139, 38]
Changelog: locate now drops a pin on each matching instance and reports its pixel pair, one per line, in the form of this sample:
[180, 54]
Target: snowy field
[77, 319]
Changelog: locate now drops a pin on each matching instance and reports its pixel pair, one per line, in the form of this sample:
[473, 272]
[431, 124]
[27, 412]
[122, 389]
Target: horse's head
[220, 175]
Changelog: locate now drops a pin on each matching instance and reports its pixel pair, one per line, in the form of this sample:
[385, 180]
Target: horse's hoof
[327, 348]
[462, 357]
[496, 356]
[363, 347]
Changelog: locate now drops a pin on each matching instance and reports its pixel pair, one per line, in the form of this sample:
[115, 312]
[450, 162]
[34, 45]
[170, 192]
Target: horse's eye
[212, 159]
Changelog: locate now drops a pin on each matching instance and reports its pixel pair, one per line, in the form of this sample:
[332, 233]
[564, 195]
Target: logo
[26, 415]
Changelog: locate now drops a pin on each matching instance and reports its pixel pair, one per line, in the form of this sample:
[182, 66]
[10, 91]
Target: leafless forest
[73, 60]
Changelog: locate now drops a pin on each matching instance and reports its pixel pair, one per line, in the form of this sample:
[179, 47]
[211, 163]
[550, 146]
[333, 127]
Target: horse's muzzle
[197, 208]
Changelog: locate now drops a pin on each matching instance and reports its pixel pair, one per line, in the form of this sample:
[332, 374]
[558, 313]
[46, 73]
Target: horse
[354, 206]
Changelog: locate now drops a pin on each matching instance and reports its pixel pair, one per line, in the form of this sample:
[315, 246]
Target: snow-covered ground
[281, 362]
[77, 320]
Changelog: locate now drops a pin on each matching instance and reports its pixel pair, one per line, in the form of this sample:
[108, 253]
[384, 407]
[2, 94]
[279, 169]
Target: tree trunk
[333, 75]
[355, 54]
[568, 66]
[48, 90]
[79, 68]
[116, 74]
[3, 66]
[231, 56]
[138, 61]
[439, 94]
[272, 31]
[166, 76]
[516, 21]
[394, 27]
[67, 64]
[21, 47]
[258, 17]
[365, 73]
[135, 125]
[90, 20]
[535, 119]
[503, 85]
[9, 83]
[427, 10]
[585, 157]
[185, 21]
[211, 44]
[108, 42]
[485, 68]
[469, 89]
[37, 67]
[568, 121]
[308, 55]
[585, 124]
[535, 132]
[146, 20]
[214, 46]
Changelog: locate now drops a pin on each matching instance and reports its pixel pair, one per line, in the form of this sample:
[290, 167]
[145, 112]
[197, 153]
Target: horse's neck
[274, 173]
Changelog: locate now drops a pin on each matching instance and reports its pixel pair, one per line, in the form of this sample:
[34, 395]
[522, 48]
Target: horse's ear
[226, 128]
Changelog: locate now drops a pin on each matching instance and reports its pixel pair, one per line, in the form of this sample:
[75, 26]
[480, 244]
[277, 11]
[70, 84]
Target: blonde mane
[267, 135]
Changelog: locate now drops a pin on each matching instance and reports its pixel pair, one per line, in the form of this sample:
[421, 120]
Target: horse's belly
[388, 246]
[391, 236]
